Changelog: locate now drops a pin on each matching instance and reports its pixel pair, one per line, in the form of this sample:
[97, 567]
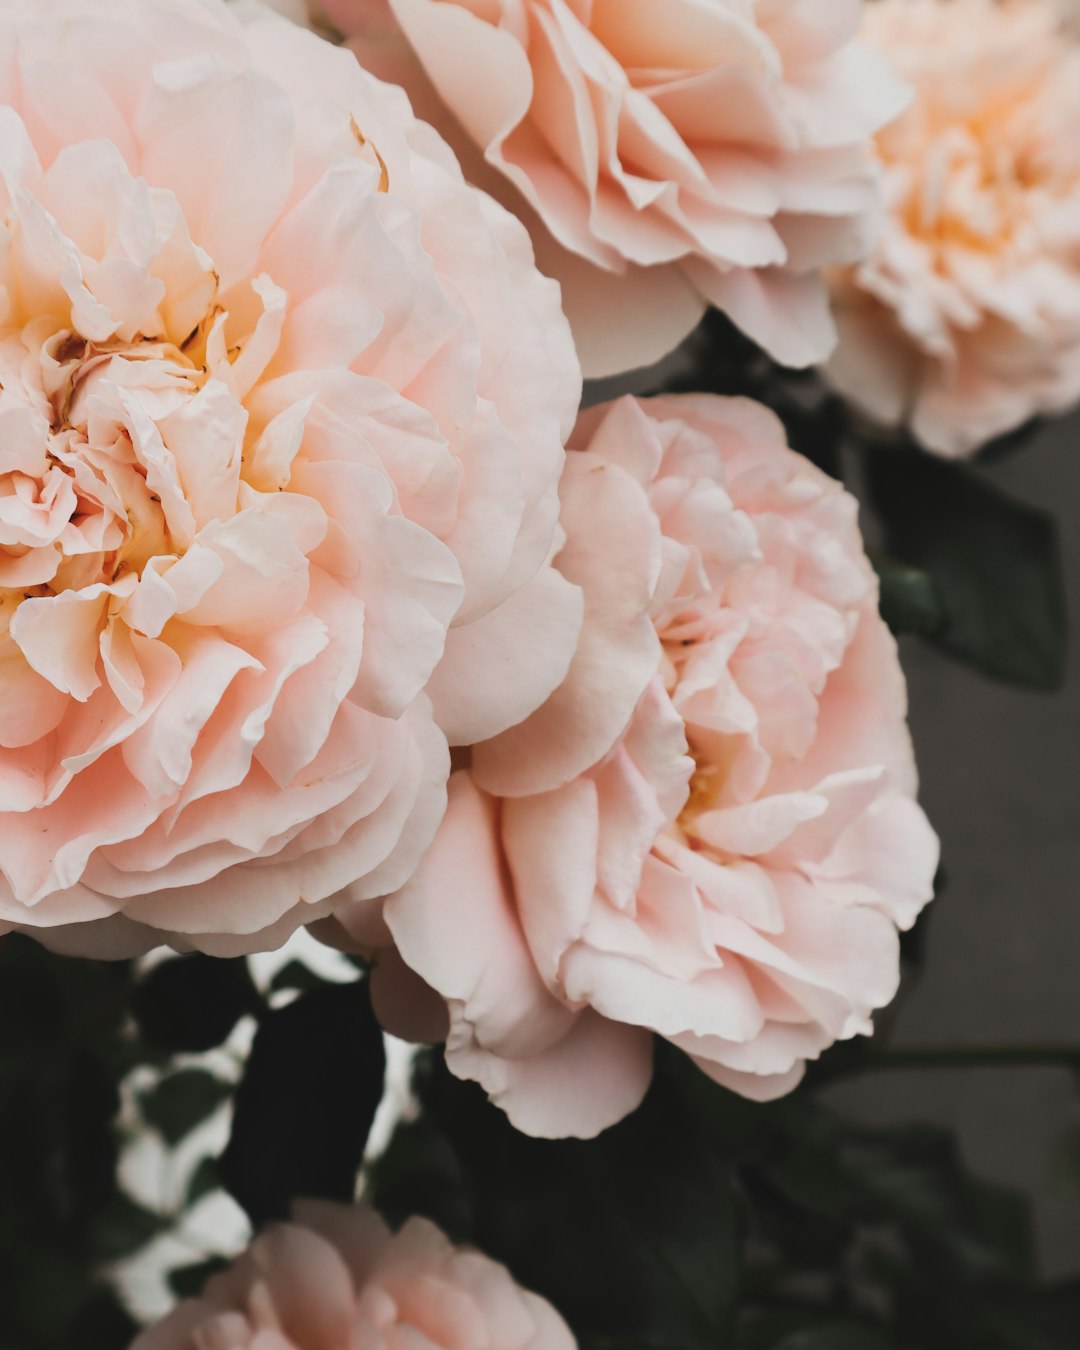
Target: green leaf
[192, 1003]
[175, 1105]
[419, 1173]
[964, 1228]
[204, 1181]
[306, 1102]
[296, 975]
[124, 1227]
[910, 599]
[190, 1281]
[993, 563]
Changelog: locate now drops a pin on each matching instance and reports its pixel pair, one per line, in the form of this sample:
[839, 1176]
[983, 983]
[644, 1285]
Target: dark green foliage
[295, 975]
[181, 1101]
[306, 1102]
[910, 599]
[61, 1052]
[204, 1180]
[193, 1002]
[975, 570]
[123, 1226]
[189, 1281]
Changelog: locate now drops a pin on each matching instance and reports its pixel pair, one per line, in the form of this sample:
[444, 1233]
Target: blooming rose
[965, 321]
[335, 1279]
[709, 831]
[665, 153]
[281, 418]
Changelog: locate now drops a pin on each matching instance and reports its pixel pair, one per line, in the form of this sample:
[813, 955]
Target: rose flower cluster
[324, 602]
[289, 527]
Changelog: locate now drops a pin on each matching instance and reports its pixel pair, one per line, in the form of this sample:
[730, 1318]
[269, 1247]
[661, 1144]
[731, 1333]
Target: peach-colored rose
[281, 422]
[709, 831]
[666, 154]
[336, 1279]
[965, 321]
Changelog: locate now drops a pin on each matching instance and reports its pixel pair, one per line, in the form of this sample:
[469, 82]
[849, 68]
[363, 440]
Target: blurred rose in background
[965, 320]
[666, 155]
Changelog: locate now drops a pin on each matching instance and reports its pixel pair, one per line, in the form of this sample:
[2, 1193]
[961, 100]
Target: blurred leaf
[175, 1105]
[190, 1281]
[995, 564]
[306, 1102]
[296, 975]
[966, 1228]
[124, 1227]
[419, 1173]
[910, 599]
[844, 1217]
[204, 1181]
[192, 1003]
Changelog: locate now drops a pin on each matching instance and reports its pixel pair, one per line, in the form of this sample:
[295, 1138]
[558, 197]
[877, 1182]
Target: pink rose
[282, 414]
[666, 154]
[336, 1279]
[709, 831]
[965, 320]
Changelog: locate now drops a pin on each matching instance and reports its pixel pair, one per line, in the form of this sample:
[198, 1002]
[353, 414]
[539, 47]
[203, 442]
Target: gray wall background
[1000, 775]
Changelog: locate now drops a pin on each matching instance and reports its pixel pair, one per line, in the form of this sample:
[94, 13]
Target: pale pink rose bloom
[709, 831]
[666, 154]
[281, 421]
[965, 320]
[337, 1279]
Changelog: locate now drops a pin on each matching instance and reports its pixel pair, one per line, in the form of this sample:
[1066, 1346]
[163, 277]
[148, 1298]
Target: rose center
[82, 459]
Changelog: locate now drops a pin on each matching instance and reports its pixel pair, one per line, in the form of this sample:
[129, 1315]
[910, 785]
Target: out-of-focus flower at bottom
[336, 1278]
[965, 320]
